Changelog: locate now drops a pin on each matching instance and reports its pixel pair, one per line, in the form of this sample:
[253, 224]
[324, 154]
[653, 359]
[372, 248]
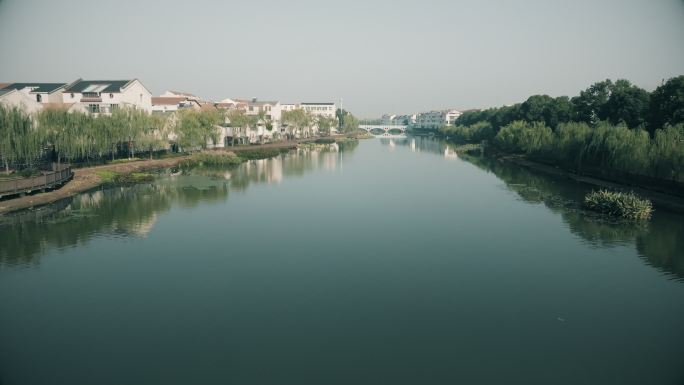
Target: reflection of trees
[664, 246]
[120, 211]
[295, 163]
[133, 210]
[659, 242]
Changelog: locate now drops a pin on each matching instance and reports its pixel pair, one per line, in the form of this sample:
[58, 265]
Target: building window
[94, 108]
[114, 107]
[111, 96]
[39, 98]
[72, 95]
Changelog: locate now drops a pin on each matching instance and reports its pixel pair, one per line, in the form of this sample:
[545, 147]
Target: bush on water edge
[113, 177]
[226, 159]
[221, 159]
[619, 204]
[261, 153]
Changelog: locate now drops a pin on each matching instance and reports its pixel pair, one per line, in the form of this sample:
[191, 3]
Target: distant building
[105, 96]
[177, 94]
[11, 98]
[227, 104]
[320, 109]
[435, 119]
[289, 106]
[170, 104]
[40, 92]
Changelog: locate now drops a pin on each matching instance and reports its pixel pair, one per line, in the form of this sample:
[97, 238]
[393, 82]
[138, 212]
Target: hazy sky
[379, 56]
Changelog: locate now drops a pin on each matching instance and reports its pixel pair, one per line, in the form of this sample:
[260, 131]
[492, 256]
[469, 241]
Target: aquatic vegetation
[261, 153]
[619, 204]
[113, 177]
[208, 159]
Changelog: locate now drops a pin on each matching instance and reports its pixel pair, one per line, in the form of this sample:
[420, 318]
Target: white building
[328, 110]
[11, 98]
[170, 104]
[105, 96]
[435, 119]
[177, 94]
[40, 92]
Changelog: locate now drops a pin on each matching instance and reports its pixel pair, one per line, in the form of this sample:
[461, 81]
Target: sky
[377, 56]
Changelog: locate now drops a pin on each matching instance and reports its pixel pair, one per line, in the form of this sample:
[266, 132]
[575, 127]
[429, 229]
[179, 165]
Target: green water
[393, 262]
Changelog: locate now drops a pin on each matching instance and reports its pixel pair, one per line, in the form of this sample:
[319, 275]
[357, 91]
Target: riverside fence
[48, 180]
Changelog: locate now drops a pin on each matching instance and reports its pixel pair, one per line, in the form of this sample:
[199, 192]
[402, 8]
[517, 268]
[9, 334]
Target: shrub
[220, 159]
[261, 153]
[618, 204]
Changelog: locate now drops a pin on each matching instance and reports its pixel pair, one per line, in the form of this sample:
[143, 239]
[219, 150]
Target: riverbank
[87, 178]
[660, 200]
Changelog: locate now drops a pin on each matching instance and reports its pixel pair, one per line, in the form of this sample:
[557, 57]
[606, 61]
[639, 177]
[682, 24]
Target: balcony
[91, 97]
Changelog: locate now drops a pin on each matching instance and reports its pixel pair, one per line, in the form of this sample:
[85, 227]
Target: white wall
[21, 100]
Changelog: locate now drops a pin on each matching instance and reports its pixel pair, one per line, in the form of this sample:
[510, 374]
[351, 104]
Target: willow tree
[209, 118]
[325, 125]
[239, 121]
[19, 141]
[351, 123]
[196, 128]
[154, 135]
[67, 133]
[299, 120]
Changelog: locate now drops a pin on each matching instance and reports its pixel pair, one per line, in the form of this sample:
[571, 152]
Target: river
[390, 262]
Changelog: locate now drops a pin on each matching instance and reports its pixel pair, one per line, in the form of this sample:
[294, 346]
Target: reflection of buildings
[127, 211]
[449, 153]
[423, 143]
[273, 170]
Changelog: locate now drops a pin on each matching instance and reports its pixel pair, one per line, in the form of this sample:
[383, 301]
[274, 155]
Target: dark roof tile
[40, 87]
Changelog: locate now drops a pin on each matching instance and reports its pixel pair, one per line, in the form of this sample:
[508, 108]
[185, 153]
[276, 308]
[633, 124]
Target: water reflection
[660, 242]
[423, 144]
[132, 211]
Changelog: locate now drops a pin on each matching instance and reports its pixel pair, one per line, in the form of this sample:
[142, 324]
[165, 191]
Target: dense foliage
[612, 129]
[618, 204]
[614, 102]
[59, 135]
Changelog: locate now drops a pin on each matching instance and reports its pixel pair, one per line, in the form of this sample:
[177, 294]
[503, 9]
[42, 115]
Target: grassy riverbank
[627, 135]
[136, 171]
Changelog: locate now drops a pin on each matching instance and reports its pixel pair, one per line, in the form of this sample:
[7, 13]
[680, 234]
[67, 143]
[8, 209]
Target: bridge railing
[46, 180]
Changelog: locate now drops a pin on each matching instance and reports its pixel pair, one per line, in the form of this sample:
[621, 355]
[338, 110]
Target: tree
[667, 104]
[298, 120]
[351, 123]
[18, 138]
[589, 105]
[325, 125]
[627, 103]
[238, 121]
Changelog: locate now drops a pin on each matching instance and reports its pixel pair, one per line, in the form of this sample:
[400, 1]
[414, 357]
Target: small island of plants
[619, 204]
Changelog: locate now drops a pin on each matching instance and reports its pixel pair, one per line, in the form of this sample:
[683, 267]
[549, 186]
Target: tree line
[606, 101]
[57, 135]
[616, 130]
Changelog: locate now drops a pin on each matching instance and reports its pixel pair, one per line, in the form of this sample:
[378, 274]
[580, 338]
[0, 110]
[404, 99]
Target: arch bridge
[384, 130]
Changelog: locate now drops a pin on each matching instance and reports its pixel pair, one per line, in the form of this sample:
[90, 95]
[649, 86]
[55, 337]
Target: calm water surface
[393, 262]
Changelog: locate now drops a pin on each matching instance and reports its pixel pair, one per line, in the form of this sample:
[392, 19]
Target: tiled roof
[40, 87]
[105, 85]
[255, 103]
[167, 100]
